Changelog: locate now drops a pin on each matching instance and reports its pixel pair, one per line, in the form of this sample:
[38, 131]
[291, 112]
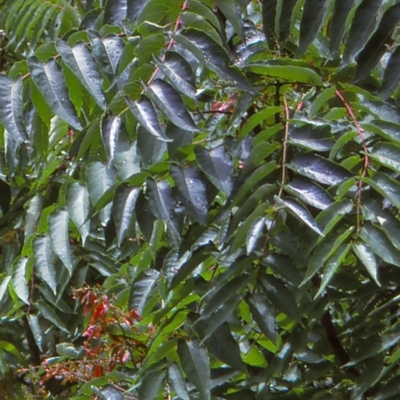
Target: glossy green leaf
[78, 208]
[110, 128]
[376, 46]
[125, 198]
[198, 257]
[309, 192]
[230, 10]
[224, 346]
[285, 20]
[150, 148]
[214, 56]
[337, 27]
[141, 289]
[44, 261]
[380, 244]
[106, 52]
[280, 296]
[19, 279]
[195, 363]
[115, 11]
[332, 265]
[314, 12]
[299, 212]
[324, 251]
[145, 113]
[385, 185]
[317, 138]
[264, 315]
[217, 164]
[268, 18]
[367, 257]
[58, 228]
[391, 78]
[192, 191]
[387, 154]
[81, 62]
[50, 81]
[162, 204]
[11, 113]
[179, 72]
[254, 233]
[287, 73]
[362, 25]
[177, 381]
[151, 385]
[319, 169]
[170, 103]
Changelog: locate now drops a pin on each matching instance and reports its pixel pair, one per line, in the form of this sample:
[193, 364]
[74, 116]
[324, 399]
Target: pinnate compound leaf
[377, 45]
[44, 261]
[177, 381]
[144, 111]
[125, 198]
[78, 208]
[19, 279]
[11, 107]
[170, 103]
[314, 12]
[195, 363]
[58, 227]
[380, 244]
[367, 257]
[362, 25]
[217, 164]
[49, 79]
[192, 191]
[299, 212]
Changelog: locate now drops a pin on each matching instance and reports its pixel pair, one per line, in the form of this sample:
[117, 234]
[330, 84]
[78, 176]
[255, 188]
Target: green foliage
[199, 199]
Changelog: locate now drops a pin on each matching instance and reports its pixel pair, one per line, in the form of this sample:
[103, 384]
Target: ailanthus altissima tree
[200, 199]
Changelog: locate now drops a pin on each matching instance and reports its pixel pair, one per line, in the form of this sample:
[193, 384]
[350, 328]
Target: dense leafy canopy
[200, 199]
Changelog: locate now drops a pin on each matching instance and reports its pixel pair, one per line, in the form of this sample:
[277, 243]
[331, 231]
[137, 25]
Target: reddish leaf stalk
[360, 133]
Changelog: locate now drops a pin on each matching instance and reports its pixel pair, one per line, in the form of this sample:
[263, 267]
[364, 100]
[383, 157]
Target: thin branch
[284, 145]
[366, 158]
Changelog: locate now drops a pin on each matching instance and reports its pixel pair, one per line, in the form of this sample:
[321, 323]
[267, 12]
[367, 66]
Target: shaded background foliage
[214, 185]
